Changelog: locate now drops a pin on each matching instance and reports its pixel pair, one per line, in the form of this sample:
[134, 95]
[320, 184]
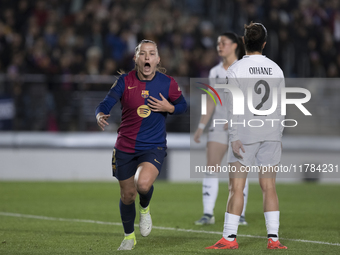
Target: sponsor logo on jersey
[145, 93]
[143, 111]
[132, 87]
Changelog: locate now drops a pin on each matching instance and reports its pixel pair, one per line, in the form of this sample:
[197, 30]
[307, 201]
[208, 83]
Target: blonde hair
[159, 68]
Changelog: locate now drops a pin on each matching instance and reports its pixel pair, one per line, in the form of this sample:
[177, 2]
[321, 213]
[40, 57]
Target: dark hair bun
[255, 35]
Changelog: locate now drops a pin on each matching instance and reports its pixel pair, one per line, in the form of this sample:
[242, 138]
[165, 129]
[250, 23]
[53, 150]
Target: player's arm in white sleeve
[282, 117]
[210, 102]
[210, 109]
[234, 138]
[232, 81]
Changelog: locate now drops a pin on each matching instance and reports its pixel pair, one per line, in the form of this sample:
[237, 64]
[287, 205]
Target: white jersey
[260, 76]
[218, 74]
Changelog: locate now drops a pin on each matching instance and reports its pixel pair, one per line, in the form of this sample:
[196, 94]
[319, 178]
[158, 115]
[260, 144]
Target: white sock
[245, 198]
[210, 191]
[272, 223]
[230, 225]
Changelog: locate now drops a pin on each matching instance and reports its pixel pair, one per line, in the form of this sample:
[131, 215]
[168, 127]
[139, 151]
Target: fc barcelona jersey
[141, 128]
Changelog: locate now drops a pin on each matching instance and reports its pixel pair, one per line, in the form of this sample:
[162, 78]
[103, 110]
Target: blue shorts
[124, 165]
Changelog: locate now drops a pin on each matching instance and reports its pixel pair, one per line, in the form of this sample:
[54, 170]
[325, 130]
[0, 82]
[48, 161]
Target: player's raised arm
[204, 120]
[105, 106]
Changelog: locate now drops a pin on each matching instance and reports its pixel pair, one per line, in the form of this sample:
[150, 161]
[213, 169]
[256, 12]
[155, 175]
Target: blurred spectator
[93, 56]
[110, 67]
[178, 26]
[207, 37]
[40, 13]
[50, 36]
[116, 45]
[99, 37]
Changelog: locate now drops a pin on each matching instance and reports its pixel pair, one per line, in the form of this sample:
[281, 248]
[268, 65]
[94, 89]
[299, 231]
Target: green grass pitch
[308, 211]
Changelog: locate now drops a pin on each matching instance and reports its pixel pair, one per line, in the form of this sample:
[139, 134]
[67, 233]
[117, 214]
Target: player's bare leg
[271, 208]
[215, 154]
[128, 191]
[127, 208]
[270, 199]
[145, 176]
[237, 182]
[234, 209]
[242, 220]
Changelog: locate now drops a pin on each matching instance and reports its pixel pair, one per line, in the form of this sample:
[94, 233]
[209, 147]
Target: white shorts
[257, 154]
[218, 136]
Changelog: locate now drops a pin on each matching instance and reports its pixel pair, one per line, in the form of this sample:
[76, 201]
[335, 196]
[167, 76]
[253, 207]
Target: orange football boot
[275, 245]
[224, 244]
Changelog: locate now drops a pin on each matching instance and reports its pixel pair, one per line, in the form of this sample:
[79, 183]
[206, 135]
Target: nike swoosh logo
[157, 161]
[132, 87]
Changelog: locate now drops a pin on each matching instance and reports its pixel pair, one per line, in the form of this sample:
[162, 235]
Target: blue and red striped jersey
[141, 128]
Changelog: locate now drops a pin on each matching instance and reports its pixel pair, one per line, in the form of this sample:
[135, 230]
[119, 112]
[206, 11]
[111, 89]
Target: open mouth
[147, 67]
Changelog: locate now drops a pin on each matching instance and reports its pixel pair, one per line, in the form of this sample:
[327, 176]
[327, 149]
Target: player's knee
[235, 189]
[267, 186]
[128, 196]
[143, 186]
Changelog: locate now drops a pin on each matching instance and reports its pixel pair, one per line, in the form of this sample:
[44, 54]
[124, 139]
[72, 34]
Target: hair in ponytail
[239, 52]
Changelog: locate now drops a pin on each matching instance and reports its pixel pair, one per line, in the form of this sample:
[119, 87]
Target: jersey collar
[146, 80]
[252, 56]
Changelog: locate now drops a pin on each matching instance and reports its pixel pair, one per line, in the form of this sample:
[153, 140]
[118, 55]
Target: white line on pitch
[19, 215]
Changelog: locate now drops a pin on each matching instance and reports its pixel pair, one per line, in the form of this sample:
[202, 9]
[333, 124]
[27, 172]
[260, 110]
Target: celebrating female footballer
[230, 48]
[145, 94]
[260, 146]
